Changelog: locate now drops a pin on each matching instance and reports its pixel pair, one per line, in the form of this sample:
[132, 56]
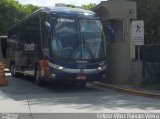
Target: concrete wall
[121, 50]
[116, 9]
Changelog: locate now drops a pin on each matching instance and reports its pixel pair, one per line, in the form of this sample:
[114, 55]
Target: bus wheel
[39, 81]
[82, 84]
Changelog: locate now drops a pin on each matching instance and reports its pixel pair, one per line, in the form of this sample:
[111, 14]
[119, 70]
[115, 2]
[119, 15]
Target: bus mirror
[48, 29]
[109, 33]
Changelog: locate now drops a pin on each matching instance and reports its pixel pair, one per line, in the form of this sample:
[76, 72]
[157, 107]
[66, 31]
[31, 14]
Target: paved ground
[23, 96]
[154, 90]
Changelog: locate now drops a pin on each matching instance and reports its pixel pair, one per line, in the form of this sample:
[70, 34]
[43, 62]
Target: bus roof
[63, 12]
[71, 12]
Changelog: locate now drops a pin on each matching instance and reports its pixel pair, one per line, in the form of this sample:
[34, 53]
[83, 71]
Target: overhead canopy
[116, 9]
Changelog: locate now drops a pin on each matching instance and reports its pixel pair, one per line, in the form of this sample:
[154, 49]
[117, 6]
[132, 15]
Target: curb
[129, 91]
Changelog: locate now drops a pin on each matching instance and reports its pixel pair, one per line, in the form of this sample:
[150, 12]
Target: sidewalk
[132, 89]
[140, 88]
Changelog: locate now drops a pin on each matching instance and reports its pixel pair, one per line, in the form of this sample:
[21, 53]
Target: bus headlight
[102, 67]
[55, 66]
[60, 67]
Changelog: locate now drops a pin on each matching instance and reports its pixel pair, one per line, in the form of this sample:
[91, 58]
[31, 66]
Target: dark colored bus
[58, 44]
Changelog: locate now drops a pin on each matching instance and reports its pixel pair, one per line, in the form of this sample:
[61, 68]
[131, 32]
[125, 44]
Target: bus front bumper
[78, 74]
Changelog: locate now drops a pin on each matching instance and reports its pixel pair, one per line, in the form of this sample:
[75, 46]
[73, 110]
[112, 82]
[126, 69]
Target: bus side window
[45, 36]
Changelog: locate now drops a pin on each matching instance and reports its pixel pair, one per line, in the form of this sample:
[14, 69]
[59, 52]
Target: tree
[11, 12]
[70, 5]
[149, 11]
[89, 6]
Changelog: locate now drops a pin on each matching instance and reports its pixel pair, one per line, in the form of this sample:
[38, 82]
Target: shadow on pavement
[90, 98]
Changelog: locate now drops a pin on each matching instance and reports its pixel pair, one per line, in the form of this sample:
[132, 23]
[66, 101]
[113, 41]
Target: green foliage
[149, 11]
[28, 9]
[89, 6]
[70, 5]
[11, 12]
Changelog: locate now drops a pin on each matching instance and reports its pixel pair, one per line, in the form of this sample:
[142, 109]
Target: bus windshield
[78, 38]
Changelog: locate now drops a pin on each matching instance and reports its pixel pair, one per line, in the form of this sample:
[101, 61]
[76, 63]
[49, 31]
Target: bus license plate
[81, 77]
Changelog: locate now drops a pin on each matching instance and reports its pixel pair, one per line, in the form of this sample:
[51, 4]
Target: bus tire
[82, 84]
[38, 80]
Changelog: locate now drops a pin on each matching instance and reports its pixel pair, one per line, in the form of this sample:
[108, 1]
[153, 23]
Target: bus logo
[29, 47]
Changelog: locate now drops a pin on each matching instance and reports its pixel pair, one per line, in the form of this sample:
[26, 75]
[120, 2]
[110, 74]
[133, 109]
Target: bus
[58, 44]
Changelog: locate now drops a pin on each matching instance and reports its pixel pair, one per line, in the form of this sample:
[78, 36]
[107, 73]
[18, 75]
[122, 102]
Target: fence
[150, 55]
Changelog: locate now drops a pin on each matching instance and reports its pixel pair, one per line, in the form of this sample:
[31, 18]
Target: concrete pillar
[119, 14]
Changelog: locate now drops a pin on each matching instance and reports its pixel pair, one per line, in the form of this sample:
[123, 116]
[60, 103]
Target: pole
[139, 57]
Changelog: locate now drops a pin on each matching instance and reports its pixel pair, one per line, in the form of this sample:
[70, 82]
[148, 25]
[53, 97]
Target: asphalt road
[23, 96]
